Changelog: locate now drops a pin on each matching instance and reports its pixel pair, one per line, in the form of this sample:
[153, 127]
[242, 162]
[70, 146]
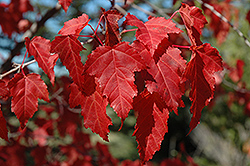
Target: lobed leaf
[112, 29]
[93, 110]
[151, 124]
[4, 91]
[75, 25]
[194, 21]
[25, 91]
[200, 72]
[68, 48]
[39, 47]
[3, 127]
[65, 4]
[166, 74]
[153, 31]
[114, 67]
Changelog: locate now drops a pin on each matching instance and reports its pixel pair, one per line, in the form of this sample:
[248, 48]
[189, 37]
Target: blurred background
[51, 138]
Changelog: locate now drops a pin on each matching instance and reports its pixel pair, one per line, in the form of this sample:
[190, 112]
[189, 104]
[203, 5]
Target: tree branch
[17, 67]
[29, 33]
[225, 20]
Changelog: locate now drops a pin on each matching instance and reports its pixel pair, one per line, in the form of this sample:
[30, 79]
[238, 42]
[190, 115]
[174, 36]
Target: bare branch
[29, 33]
[17, 67]
[225, 20]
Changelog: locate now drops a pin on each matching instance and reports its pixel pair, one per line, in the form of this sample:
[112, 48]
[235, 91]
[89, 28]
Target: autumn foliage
[108, 77]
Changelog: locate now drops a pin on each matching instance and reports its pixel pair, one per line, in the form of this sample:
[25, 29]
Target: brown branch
[17, 67]
[29, 33]
[211, 8]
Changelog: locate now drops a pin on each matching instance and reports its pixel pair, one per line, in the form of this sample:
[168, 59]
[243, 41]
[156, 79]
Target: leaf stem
[85, 36]
[128, 30]
[98, 23]
[174, 14]
[23, 61]
[99, 40]
[181, 46]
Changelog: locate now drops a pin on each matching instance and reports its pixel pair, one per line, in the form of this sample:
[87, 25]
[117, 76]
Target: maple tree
[149, 75]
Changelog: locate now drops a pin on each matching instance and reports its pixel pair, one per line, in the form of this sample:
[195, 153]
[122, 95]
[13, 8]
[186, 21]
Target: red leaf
[218, 26]
[40, 135]
[143, 51]
[153, 31]
[166, 74]
[173, 162]
[13, 154]
[4, 91]
[114, 67]
[39, 155]
[25, 91]
[93, 110]
[12, 14]
[75, 25]
[112, 30]
[248, 16]
[68, 48]
[8, 22]
[240, 68]
[65, 4]
[3, 126]
[194, 21]
[151, 124]
[21, 6]
[104, 157]
[40, 49]
[200, 72]
[236, 74]
[68, 125]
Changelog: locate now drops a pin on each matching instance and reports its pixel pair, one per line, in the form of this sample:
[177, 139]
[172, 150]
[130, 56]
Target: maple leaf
[104, 156]
[7, 22]
[20, 6]
[114, 67]
[68, 48]
[68, 125]
[151, 124]
[65, 4]
[39, 47]
[75, 25]
[4, 91]
[112, 30]
[3, 126]
[200, 72]
[13, 154]
[194, 21]
[12, 14]
[25, 91]
[166, 74]
[235, 74]
[143, 51]
[216, 24]
[93, 110]
[39, 155]
[153, 31]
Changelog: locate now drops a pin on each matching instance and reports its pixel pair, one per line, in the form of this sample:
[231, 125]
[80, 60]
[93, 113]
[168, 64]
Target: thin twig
[143, 10]
[29, 33]
[159, 10]
[225, 20]
[18, 66]
[120, 9]
[235, 87]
